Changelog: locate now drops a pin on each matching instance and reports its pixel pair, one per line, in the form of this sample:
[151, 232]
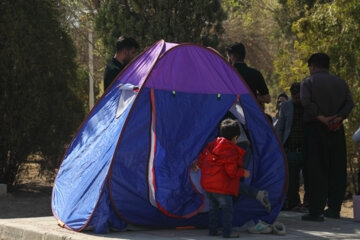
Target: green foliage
[149, 21]
[291, 11]
[331, 27]
[41, 86]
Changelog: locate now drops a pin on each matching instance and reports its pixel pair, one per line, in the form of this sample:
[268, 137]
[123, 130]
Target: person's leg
[304, 153]
[316, 168]
[226, 205]
[293, 197]
[213, 213]
[337, 173]
[252, 192]
[306, 185]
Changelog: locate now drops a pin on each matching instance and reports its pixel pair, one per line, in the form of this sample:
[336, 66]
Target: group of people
[309, 125]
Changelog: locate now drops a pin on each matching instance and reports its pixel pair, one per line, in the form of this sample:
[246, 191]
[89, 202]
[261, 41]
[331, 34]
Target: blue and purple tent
[130, 159]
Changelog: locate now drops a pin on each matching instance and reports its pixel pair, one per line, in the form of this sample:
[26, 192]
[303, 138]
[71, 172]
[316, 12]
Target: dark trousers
[295, 164]
[224, 202]
[326, 167]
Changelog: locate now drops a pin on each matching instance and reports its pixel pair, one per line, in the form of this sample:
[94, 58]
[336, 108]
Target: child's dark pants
[219, 201]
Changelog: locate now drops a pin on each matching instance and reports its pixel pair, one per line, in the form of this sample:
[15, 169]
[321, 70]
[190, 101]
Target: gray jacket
[325, 94]
[284, 124]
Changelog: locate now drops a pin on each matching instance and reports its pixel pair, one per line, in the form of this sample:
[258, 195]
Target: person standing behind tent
[253, 78]
[125, 52]
[280, 99]
[290, 129]
[221, 169]
[327, 102]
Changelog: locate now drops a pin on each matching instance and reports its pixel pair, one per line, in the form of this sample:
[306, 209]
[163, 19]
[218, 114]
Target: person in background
[253, 78]
[290, 128]
[125, 52]
[283, 97]
[327, 101]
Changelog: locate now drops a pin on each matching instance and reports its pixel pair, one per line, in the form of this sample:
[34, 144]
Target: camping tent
[129, 161]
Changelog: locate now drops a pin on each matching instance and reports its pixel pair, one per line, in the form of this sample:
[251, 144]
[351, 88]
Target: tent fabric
[200, 65]
[130, 160]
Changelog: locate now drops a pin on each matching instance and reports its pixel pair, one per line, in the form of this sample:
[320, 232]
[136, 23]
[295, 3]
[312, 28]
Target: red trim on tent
[154, 125]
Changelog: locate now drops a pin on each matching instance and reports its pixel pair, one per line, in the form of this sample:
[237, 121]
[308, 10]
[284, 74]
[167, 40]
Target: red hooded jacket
[221, 167]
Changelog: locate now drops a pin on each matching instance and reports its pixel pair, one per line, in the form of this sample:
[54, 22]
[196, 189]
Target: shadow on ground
[26, 200]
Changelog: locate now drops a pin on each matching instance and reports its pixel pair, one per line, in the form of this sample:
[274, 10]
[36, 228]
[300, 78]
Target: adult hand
[335, 124]
[325, 120]
[337, 119]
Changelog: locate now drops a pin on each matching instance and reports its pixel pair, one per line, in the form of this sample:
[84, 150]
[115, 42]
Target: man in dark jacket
[327, 101]
[125, 52]
[253, 78]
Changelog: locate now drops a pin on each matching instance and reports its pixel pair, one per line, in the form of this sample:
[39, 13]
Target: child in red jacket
[221, 169]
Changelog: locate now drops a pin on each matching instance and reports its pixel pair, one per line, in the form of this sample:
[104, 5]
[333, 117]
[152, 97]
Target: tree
[149, 21]
[41, 85]
[292, 10]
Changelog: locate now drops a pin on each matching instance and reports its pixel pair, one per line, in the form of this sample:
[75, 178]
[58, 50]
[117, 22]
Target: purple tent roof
[184, 68]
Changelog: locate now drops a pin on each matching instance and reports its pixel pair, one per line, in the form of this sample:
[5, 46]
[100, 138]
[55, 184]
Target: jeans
[217, 201]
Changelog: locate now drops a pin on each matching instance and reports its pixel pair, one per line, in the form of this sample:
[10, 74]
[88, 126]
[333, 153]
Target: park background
[53, 54]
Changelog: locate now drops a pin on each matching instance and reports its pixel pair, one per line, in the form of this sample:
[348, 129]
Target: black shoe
[331, 214]
[233, 235]
[311, 217]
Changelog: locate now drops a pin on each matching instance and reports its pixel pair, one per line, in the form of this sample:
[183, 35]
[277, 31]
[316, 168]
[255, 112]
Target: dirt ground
[32, 196]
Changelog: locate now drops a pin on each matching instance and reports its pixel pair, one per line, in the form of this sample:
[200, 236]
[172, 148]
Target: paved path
[45, 228]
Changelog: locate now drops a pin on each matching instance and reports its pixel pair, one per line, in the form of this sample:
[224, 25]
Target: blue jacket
[284, 123]
[356, 136]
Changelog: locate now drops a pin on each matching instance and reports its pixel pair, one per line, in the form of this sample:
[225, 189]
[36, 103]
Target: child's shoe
[263, 197]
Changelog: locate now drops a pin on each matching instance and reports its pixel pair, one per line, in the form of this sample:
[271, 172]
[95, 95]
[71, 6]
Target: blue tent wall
[104, 215]
[85, 169]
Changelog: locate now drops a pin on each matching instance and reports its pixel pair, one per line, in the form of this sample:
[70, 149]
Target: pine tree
[149, 21]
[40, 87]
